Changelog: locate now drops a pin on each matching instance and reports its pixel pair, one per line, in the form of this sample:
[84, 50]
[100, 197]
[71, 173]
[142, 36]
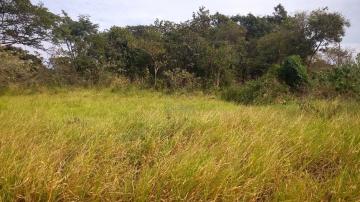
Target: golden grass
[89, 145]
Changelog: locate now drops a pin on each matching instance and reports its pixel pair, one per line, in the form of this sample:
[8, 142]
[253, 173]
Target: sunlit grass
[139, 146]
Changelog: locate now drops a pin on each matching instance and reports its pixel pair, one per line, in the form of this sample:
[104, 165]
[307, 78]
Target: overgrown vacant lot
[97, 145]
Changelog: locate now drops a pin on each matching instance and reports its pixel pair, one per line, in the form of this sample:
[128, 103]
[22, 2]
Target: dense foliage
[293, 73]
[207, 52]
[343, 80]
[23, 23]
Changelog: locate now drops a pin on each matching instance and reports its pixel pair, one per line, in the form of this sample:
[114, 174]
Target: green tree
[256, 26]
[280, 14]
[324, 28]
[152, 43]
[23, 23]
[75, 37]
[222, 67]
[118, 49]
[227, 39]
[201, 21]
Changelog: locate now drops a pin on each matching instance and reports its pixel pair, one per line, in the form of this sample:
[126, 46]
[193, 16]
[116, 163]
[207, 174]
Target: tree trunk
[338, 55]
[312, 56]
[155, 76]
[218, 79]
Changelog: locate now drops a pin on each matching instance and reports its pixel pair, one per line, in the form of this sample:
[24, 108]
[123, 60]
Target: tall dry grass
[89, 145]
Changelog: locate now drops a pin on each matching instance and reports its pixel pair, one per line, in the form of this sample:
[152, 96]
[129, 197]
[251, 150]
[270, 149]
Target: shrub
[64, 72]
[180, 79]
[14, 70]
[342, 80]
[265, 90]
[345, 79]
[119, 83]
[245, 94]
[293, 73]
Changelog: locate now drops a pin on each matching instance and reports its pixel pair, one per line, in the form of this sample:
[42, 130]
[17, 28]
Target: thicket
[343, 80]
[265, 90]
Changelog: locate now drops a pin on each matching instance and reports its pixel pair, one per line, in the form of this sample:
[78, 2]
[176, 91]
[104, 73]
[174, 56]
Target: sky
[107, 13]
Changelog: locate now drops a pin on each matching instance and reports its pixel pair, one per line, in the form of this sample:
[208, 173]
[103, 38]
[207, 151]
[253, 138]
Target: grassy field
[88, 145]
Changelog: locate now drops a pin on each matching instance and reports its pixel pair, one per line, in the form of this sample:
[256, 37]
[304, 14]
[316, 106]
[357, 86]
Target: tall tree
[23, 23]
[122, 54]
[280, 14]
[324, 28]
[153, 44]
[201, 21]
[74, 35]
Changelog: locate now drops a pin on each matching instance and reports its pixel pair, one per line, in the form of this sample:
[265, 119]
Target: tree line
[210, 51]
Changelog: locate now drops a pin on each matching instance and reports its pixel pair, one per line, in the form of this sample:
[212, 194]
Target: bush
[262, 91]
[14, 70]
[245, 94]
[64, 72]
[293, 73]
[180, 79]
[342, 80]
[345, 79]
